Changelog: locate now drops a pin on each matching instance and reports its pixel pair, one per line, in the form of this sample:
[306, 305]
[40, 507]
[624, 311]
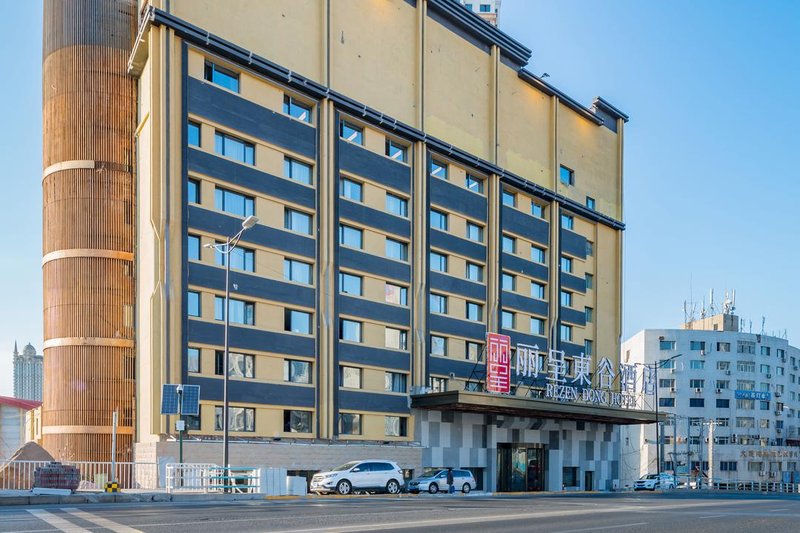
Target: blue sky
[711, 151]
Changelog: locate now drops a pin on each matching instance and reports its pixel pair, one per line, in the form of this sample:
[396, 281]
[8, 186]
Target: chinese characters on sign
[498, 363]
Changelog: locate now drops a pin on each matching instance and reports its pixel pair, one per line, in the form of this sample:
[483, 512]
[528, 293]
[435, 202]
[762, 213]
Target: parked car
[655, 481]
[436, 480]
[359, 476]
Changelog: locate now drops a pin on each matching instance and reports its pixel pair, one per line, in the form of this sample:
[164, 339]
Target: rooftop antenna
[751, 326]
[711, 310]
[763, 322]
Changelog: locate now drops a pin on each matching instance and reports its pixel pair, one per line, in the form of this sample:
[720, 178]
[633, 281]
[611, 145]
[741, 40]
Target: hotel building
[415, 188]
[728, 401]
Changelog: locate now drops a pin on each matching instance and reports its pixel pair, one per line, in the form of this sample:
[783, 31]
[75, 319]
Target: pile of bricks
[57, 476]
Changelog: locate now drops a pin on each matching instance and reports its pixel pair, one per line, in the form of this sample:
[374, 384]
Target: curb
[92, 498]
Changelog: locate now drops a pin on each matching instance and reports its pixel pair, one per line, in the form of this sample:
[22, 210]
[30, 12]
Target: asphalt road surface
[575, 513]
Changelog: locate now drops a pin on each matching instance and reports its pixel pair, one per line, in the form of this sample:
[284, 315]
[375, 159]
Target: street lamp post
[226, 250]
[656, 366]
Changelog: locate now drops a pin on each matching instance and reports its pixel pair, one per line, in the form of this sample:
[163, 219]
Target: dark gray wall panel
[446, 241]
[470, 289]
[515, 263]
[361, 307]
[570, 348]
[457, 199]
[453, 326]
[373, 218]
[223, 107]
[369, 355]
[254, 392]
[224, 225]
[573, 243]
[372, 401]
[358, 160]
[461, 368]
[528, 226]
[250, 177]
[349, 257]
[249, 285]
[571, 282]
[245, 339]
[573, 316]
[524, 303]
[524, 338]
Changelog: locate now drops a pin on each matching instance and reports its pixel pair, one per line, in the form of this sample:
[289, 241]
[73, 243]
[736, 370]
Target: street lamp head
[249, 222]
[208, 245]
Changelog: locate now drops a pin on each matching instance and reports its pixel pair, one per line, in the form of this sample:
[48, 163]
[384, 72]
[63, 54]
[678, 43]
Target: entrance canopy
[480, 402]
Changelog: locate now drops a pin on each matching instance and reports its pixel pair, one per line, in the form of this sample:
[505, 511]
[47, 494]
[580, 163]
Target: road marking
[712, 516]
[100, 521]
[777, 510]
[57, 522]
[602, 528]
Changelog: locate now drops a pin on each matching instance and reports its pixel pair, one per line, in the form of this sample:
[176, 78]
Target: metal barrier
[202, 477]
[756, 486]
[18, 475]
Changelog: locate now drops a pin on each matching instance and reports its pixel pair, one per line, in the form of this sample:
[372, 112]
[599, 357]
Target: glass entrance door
[520, 467]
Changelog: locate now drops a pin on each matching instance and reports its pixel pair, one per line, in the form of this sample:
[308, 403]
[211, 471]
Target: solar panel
[190, 400]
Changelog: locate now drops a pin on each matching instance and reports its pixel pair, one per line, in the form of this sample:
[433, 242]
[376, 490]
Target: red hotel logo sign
[498, 363]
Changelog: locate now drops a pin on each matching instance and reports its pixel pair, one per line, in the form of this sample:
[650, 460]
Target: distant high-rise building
[27, 373]
[488, 10]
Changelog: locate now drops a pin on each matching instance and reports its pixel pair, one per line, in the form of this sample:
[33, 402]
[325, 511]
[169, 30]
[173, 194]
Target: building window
[569, 474]
[590, 203]
[193, 134]
[566, 332]
[697, 402]
[192, 422]
[350, 236]
[438, 345]
[221, 76]
[666, 402]
[230, 146]
[297, 321]
[297, 271]
[350, 284]
[723, 347]
[395, 382]
[438, 303]
[395, 294]
[474, 184]
[297, 421]
[474, 232]
[508, 320]
[349, 424]
[509, 198]
[192, 191]
[566, 264]
[297, 221]
[567, 176]
[239, 365]
[193, 303]
[474, 311]
[473, 351]
[765, 350]
[351, 133]
[589, 312]
[296, 109]
[509, 244]
[474, 272]
[537, 210]
[239, 418]
[349, 330]
[588, 347]
[438, 169]
[438, 220]
[396, 250]
[567, 222]
[537, 326]
[487, 8]
[241, 312]
[508, 282]
[396, 338]
[697, 364]
[697, 345]
[589, 281]
[193, 360]
[241, 258]
[233, 202]
[723, 404]
[352, 190]
[297, 170]
[537, 290]
[396, 150]
[537, 255]
[438, 384]
[193, 247]
[666, 345]
[438, 262]
[396, 205]
[296, 371]
[350, 377]
[566, 299]
[395, 426]
[589, 248]
[728, 466]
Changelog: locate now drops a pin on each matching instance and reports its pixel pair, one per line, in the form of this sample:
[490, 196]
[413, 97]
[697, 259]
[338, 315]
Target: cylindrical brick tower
[89, 117]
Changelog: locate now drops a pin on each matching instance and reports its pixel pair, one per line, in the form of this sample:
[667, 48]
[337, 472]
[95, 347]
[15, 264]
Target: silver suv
[359, 475]
[436, 481]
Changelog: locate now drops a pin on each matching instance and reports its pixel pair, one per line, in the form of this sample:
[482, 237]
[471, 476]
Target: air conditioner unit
[698, 389]
[727, 372]
[719, 391]
[672, 389]
[773, 442]
[795, 367]
[702, 352]
[769, 376]
[777, 394]
[779, 431]
[672, 370]
[778, 413]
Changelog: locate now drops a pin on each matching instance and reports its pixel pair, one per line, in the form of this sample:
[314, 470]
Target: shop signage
[753, 395]
[498, 363]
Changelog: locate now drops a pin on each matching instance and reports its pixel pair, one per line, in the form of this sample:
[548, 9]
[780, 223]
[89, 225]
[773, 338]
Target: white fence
[19, 475]
[756, 486]
[194, 477]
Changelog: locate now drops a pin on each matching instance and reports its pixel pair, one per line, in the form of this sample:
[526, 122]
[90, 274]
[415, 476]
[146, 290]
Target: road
[551, 513]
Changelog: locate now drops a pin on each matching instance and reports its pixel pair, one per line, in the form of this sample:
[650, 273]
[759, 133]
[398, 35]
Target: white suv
[655, 481]
[359, 475]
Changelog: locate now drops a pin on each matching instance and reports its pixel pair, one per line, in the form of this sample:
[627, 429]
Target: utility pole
[675, 445]
[711, 424]
[688, 450]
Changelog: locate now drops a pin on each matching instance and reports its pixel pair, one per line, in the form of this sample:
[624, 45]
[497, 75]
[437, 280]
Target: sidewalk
[26, 497]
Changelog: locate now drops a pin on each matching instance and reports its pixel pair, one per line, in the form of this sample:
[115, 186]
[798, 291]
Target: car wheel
[466, 488]
[433, 488]
[344, 487]
[393, 487]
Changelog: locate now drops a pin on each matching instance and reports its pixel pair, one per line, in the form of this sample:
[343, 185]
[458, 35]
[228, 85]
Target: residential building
[12, 424]
[416, 188]
[27, 373]
[728, 401]
[488, 10]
